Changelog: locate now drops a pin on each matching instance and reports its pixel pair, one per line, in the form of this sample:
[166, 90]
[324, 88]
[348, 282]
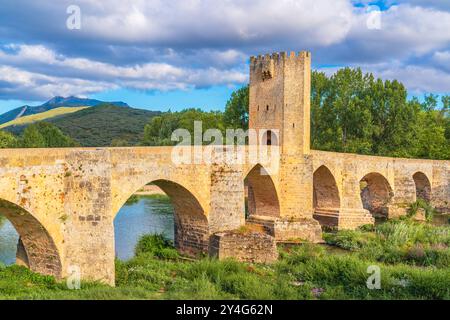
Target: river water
[144, 215]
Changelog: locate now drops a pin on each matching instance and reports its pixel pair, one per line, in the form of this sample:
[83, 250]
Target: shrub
[156, 245]
[421, 204]
[347, 239]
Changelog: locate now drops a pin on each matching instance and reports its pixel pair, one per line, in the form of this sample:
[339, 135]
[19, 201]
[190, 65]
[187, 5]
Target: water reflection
[8, 242]
[142, 215]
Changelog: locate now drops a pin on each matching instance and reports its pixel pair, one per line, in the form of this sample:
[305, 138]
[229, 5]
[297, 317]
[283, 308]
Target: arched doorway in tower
[423, 186]
[161, 207]
[270, 138]
[25, 241]
[326, 199]
[376, 194]
[261, 195]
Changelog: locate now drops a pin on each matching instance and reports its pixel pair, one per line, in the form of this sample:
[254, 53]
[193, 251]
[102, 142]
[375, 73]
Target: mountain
[99, 126]
[53, 103]
[24, 120]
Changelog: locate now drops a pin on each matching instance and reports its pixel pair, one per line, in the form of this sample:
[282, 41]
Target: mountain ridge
[100, 126]
[55, 102]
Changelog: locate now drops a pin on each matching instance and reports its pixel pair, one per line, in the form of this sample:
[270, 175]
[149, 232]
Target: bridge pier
[89, 228]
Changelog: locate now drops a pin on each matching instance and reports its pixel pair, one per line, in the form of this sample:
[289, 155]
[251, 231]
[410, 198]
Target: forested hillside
[100, 126]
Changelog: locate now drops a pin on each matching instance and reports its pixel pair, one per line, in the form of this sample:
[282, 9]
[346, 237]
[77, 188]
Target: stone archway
[191, 231]
[423, 186]
[326, 200]
[376, 194]
[270, 138]
[36, 248]
[262, 198]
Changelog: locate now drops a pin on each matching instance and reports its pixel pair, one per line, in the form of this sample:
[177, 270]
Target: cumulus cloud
[438, 4]
[48, 73]
[182, 44]
[32, 86]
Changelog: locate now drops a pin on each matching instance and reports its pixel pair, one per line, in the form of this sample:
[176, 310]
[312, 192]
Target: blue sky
[175, 54]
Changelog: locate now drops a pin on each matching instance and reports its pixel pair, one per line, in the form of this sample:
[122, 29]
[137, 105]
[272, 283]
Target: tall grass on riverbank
[305, 272]
[398, 241]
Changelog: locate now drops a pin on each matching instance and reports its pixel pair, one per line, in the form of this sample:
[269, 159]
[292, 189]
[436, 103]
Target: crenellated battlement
[260, 60]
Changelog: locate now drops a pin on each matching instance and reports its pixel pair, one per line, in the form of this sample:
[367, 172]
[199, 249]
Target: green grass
[398, 241]
[41, 116]
[413, 259]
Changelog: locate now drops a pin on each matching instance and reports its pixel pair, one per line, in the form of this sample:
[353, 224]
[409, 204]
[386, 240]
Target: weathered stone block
[252, 247]
[287, 229]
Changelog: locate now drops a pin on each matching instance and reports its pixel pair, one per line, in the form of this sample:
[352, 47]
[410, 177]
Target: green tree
[119, 142]
[45, 135]
[7, 140]
[350, 112]
[236, 110]
[159, 130]
[341, 118]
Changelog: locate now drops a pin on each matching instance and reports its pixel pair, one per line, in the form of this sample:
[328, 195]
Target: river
[142, 215]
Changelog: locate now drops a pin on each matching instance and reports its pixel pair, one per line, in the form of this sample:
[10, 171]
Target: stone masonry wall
[248, 247]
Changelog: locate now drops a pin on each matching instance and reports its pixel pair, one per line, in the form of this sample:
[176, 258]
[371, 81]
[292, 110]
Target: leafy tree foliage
[350, 112]
[354, 112]
[159, 130]
[357, 113]
[7, 140]
[45, 135]
[236, 110]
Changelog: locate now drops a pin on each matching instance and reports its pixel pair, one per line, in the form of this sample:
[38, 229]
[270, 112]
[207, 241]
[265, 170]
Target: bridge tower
[279, 109]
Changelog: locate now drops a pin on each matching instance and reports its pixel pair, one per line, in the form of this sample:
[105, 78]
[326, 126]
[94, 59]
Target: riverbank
[413, 259]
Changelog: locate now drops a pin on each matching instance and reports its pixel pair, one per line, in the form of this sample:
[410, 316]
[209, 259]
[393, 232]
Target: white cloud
[213, 23]
[405, 31]
[74, 76]
[438, 4]
[442, 60]
[32, 86]
[180, 44]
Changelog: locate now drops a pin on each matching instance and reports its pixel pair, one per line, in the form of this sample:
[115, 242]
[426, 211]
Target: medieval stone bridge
[62, 202]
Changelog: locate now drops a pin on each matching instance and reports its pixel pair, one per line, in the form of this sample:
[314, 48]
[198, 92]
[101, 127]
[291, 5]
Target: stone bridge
[63, 202]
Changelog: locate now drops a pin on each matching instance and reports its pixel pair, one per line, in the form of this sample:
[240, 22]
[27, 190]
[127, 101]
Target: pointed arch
[376, 194]
[423, 186]
[191, 229]
[262, 194]
[36, 248]
[326, 200]
[326, 192]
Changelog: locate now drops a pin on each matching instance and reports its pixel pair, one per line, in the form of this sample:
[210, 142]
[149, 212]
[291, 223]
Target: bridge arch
[326, 192]
[423, 186]
[191, 231]
[326, 199]
[262, 197]
[36, 248]
[376, 194]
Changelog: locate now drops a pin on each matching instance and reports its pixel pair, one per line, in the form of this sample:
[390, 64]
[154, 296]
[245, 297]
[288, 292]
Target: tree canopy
[351, 111]
[159, 130]
[37, 135]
